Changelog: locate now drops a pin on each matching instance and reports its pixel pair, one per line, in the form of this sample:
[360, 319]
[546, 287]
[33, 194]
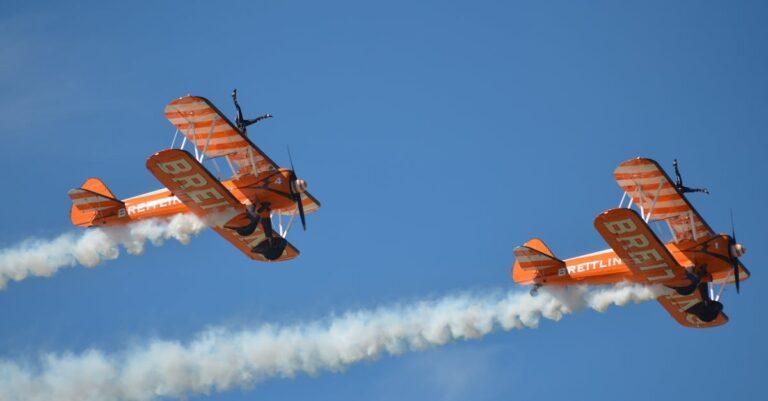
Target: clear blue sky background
[438, 135]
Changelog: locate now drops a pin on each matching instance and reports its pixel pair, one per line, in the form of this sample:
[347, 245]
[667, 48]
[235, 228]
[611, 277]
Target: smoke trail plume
[37, 257]
[219, 359]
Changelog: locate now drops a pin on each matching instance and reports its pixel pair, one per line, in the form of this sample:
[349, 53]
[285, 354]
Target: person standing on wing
[242, 124]
[679, 182]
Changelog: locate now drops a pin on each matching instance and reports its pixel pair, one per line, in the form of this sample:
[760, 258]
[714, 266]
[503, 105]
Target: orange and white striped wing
[215, 136]
[650, 187]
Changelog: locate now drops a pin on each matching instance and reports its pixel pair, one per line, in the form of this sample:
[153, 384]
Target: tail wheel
[253, 221]
[695, 281]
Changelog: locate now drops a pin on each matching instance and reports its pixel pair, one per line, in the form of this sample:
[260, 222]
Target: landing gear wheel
[250, 228]
[695, 282]
[247, 229]
[689, 289]
[271, 248]
[706, 311]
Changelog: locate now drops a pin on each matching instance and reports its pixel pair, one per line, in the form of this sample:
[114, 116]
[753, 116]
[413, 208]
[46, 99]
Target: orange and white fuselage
[606, 267]
[268, 187]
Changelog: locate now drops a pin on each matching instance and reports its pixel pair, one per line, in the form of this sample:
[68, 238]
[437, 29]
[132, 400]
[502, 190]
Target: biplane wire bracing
[696, 263]
[254, 209]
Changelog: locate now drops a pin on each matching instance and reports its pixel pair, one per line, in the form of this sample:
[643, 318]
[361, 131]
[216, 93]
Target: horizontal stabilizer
[92, 201]
[86, 200]
[535, 256]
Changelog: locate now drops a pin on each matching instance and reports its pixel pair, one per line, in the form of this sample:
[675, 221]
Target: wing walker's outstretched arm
[242, 124]
[679, 182]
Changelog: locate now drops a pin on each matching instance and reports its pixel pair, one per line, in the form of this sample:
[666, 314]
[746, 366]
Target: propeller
[294, 194]
[732, 244]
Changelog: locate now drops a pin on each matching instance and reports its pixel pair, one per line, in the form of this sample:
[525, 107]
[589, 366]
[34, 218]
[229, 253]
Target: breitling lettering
[590, 266]
[205, 195]
[153, 205]
[682, 303]
[640, 249]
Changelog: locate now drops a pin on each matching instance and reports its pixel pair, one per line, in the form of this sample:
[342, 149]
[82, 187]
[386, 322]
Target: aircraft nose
[738, 250]
[299, 185]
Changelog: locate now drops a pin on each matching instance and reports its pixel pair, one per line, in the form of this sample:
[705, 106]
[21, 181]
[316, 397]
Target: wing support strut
[653, 203]
[208, 138]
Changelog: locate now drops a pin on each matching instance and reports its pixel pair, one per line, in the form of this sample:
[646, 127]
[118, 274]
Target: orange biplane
[242, 209]
[693, 263]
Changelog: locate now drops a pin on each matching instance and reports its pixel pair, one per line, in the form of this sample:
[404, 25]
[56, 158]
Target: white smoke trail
[219, 359]
[38, 257]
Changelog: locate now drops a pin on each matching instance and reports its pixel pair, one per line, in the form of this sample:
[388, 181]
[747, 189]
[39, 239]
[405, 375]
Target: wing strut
[173, 142]
[208, 139]
[653, 203]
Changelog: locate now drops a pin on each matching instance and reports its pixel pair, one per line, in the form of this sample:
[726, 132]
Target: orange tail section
[93, 203]
[532, 260]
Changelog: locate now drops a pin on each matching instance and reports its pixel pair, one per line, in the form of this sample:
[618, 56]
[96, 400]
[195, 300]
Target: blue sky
[437, 135]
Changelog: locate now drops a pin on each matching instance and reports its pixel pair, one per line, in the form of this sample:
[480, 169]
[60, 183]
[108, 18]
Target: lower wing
[680, 307]
[640, 249]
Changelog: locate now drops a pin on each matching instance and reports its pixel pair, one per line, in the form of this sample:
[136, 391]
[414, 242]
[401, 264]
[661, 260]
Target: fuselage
[272, 188]
[606, 267]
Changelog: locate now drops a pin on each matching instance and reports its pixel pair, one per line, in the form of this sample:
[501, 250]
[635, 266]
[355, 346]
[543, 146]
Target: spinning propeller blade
[734, 259]
[296, 195]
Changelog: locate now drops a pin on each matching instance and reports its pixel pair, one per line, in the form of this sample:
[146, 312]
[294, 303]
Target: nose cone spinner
[299, 186]
[738, 250]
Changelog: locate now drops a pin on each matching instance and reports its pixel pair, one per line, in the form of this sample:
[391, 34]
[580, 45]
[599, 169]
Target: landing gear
[679, 182]
[242, 124]
[272, 246]
[248, 229]
[708, 309]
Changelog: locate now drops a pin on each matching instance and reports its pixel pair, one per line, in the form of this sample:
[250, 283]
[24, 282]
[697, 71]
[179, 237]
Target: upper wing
[207, 198]
[214, 135]
[677, 305]
[649, 187]
[638, 247]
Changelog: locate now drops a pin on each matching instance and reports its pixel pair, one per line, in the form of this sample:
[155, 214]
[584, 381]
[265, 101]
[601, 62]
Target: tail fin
[532, 260]
[91, 202]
